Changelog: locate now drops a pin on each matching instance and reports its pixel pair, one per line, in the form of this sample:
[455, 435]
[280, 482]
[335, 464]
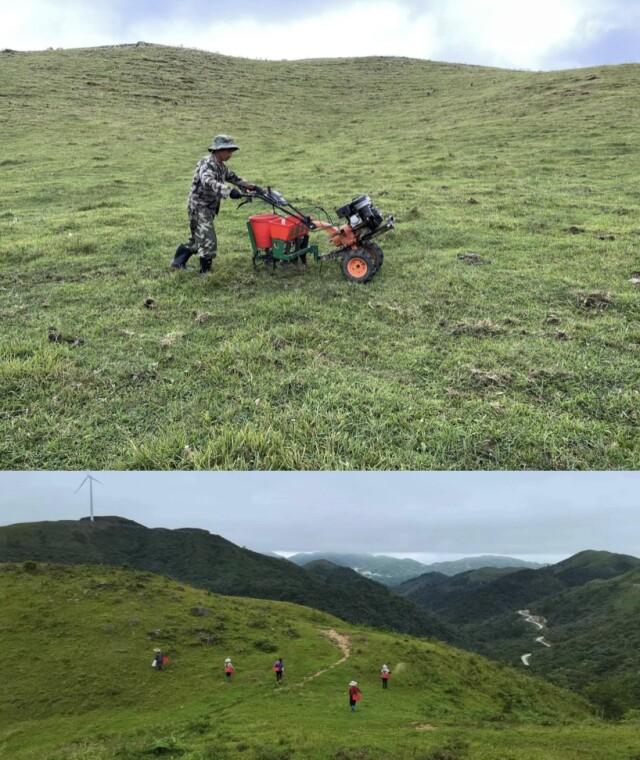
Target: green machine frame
[283, 250]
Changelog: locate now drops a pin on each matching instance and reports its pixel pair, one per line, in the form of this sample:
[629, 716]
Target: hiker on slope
[385, 673]
[228, 669]
[278, 669]
[208, 187]
[158, 661]
[355, 695]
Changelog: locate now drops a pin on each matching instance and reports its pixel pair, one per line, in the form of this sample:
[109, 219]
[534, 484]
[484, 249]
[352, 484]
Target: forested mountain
[209, 561]
[586, 635]
[478, 595]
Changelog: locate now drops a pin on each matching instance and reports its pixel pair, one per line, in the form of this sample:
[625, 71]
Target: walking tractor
[283, 235]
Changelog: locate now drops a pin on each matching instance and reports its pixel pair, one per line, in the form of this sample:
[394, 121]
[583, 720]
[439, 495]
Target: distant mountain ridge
[478, 595]
[392, 570]
[209, 561]
[454, 567]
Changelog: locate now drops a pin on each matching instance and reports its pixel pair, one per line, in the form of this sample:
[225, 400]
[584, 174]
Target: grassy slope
[435, 364]
[77, 683]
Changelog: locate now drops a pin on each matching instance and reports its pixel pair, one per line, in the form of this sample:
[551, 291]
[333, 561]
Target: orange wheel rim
[357, 267]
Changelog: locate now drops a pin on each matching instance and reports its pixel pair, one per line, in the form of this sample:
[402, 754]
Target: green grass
[77, 683]
[436, 364]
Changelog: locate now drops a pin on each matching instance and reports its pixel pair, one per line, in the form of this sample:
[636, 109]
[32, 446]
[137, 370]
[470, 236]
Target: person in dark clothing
[210, 185]
[158, 659]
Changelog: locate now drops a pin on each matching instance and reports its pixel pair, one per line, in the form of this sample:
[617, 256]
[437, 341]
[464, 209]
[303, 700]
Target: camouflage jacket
[208, 181]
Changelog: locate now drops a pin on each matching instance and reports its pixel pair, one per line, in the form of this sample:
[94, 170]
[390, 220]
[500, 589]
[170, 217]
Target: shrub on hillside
[265, 646]
[455, 750]
[165, 746]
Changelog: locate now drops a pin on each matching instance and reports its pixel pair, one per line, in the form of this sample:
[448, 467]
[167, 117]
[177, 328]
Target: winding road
[539, 622]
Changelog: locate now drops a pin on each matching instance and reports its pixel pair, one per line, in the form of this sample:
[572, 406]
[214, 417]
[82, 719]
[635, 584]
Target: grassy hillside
[211, 562]
[526, 360]
[77, 682]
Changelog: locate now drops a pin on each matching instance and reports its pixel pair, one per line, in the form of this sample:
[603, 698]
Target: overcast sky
[429, 516]
[545, 34]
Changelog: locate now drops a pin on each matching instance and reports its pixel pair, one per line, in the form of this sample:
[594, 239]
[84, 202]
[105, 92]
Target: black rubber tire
[375, 250]
[366, 265]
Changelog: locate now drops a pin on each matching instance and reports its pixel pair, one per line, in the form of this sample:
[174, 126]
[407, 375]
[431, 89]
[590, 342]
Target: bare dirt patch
[171, 339]
[472, 258]
[483, 379]
[597, 301]
[341, 640]
[481, 327]
[55, 336]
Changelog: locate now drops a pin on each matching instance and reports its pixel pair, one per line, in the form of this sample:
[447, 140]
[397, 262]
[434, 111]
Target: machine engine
[361, 213]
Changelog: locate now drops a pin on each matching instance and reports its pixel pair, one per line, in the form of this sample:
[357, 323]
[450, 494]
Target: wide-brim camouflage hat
[223, 142]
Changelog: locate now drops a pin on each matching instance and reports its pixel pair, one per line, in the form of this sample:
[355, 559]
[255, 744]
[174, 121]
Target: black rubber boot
[182, 255]
[205, 264]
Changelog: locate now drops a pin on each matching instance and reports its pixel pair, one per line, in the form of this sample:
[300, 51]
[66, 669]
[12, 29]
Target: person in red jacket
[278, 669]
[228, 669]
[384, 676]
[355, 695]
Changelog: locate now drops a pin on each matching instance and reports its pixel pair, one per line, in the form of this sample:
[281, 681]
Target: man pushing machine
[208, 188]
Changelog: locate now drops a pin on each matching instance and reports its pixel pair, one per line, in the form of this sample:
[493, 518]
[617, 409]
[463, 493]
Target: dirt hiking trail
[342, 641]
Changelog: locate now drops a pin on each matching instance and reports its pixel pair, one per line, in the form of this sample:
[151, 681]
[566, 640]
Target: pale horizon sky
[429, 516]
[545, 35]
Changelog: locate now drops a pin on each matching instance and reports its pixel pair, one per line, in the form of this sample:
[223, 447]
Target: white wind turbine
[91, 480]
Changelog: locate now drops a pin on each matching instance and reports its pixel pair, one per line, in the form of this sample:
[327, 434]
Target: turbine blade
[81, 484]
